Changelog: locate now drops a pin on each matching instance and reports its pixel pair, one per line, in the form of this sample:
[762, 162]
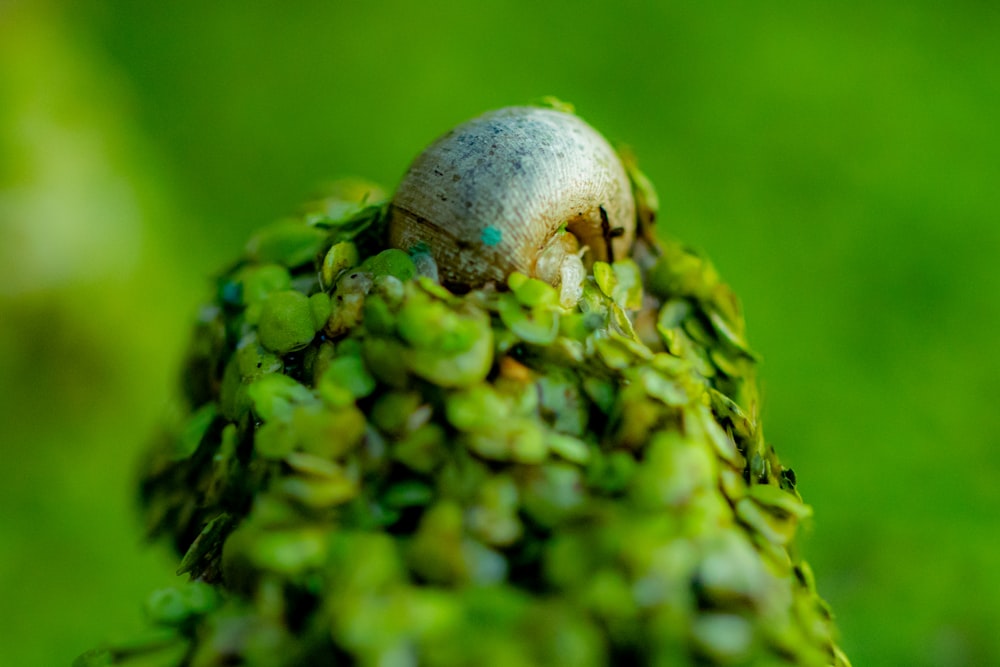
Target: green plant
[370, 468]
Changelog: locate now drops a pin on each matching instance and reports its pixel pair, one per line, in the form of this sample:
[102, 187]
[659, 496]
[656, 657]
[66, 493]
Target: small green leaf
[410, 493]
[275, 439]
[553, 493]
[274, 396]
[339, 258]
[259, 281]
[777, 531]
[287, 242]
[424, 449]
[478, 408]
[612, 473]
[289, 552]
[194, 431]
[254, 361]
[391, 262]
[320, 492]
[348, 373]
[570, 448]
[378, 317]
[382, 357]
[532, 292]
[627, 291]
[723, 638]
[454, 364]
[207, 546]
[662, 388]
[606, 278]
[319, 305]
[286, 322]
[328, 432]
[778, 501]
[173, 606]
[539, 326]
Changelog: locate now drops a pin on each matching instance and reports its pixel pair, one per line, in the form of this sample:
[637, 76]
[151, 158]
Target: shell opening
[596, 235]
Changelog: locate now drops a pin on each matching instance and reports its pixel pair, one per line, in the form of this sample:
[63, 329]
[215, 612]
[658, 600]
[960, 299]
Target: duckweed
[372, 469]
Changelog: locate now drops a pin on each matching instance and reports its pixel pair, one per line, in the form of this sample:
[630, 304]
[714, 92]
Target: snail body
[521, 189]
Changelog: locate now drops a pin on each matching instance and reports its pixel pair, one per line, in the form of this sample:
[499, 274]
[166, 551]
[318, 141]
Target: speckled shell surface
[488, 196]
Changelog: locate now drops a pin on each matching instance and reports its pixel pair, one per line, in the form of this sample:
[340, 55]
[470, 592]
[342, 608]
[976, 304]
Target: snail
[526, 189]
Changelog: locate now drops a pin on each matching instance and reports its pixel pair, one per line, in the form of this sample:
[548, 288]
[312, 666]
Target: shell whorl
[487, 197]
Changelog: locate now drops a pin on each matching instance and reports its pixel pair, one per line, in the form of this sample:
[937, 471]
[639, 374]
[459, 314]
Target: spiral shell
[517, 189]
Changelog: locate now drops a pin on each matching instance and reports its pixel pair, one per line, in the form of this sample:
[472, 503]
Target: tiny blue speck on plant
[492, 236]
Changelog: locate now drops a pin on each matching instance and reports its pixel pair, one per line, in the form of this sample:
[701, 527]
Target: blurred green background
[840, 162]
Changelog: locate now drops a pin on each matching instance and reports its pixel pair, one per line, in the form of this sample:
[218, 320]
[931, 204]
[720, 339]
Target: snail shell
[519, 189]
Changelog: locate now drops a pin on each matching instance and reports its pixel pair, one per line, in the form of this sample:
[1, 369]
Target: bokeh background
[839, 161]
